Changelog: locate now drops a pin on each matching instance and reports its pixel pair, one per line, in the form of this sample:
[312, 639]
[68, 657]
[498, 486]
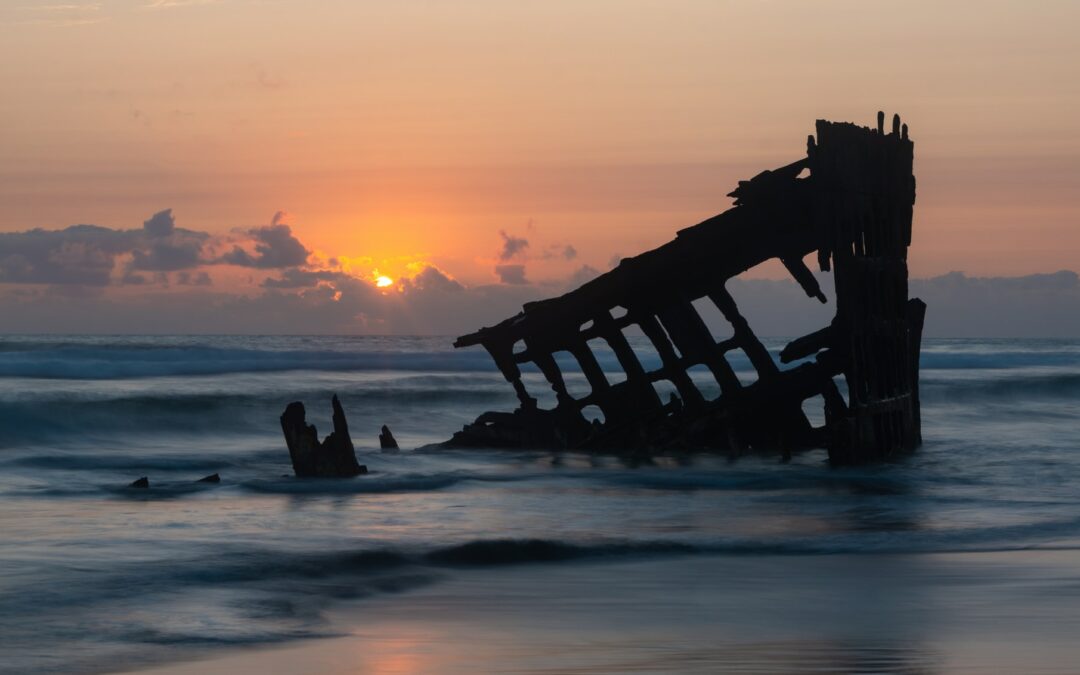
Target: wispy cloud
[512, 246]
[172, 4]
[84, 7]
[265, 79]
[60, 14]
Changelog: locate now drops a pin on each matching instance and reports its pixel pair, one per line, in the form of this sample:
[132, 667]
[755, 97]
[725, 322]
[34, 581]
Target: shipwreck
[850, 200]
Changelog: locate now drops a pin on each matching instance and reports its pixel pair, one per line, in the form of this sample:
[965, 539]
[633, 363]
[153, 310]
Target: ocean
[959, 558]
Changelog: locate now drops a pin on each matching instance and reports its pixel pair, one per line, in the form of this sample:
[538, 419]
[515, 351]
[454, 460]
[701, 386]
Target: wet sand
[1000, 612]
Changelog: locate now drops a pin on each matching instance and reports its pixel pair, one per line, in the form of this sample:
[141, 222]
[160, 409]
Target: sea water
[560, 549]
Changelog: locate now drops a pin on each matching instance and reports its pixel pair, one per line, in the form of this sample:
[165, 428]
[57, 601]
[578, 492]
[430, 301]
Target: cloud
[172, 4]
[347, 306]
[55, 280]
[299, 278]
[94, 256]
[275, 247]
[166, 247]
[432, 303]
[59, 14]
[954, 282]
[131, 278]
[186, 278]
[958, 305]
[1035, 305]
[512, 246]
[583, 274]
[264, 79]
[559, 252]
[80, 254]
[88, 254]
[511, 274]
[161, 224]
[168, 256]
[431, 279]
[69, 7]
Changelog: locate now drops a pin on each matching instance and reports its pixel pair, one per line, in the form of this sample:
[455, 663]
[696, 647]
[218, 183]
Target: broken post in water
[849, 200]
[334, 457]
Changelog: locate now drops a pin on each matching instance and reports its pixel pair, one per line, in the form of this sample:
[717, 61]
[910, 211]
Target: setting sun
[383, 282]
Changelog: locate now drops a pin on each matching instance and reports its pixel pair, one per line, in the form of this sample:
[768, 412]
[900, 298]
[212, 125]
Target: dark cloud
[431, 279]
[1044, 305]
[298, 278]
[1035, 305]
[75, 264]
[583, 274]
[511, 274]
[81, 254]
[88, 254]
[343, 306]
[131, 278]
[512, 246]
[161, 224]
[69, 292]
[559, 252]
[1064, 280]
[186, 278]
[179, 252]
[275, 248]
[165, 247]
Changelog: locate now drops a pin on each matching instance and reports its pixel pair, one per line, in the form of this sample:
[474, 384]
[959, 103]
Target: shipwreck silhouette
[850, 200]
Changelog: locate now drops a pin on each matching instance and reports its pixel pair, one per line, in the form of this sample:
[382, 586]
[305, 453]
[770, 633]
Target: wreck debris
[386, 439]
[853, 208]
[333, 458]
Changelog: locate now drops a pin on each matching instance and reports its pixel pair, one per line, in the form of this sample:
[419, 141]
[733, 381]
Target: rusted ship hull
[849, 200]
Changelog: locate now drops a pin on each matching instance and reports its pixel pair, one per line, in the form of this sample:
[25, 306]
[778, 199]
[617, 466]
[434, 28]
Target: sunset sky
[306, 146]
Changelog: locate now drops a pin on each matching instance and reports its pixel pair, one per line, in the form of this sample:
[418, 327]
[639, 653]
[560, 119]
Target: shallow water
[1003, 612]
[96, 576]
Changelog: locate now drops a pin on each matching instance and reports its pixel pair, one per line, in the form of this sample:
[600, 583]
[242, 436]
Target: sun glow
[383, 281]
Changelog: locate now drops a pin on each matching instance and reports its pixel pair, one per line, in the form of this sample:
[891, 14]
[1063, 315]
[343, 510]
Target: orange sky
[397, 132]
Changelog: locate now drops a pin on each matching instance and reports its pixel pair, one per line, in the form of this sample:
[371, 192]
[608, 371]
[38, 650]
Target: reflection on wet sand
[869, 613]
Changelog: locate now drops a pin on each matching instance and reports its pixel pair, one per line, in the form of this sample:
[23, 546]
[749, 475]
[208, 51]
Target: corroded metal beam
[849, 201]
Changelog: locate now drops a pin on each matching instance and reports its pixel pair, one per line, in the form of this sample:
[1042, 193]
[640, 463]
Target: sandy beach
[1003, 612]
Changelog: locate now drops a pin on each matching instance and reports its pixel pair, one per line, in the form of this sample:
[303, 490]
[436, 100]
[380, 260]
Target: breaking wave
[82, 363]
[1023, 384]
[81, 358]
[269, 567]
[45, 415]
